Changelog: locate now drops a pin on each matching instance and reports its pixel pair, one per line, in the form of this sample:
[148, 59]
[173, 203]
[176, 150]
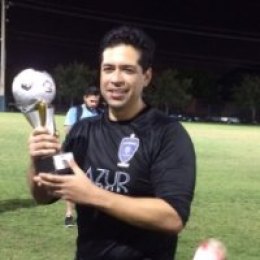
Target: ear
[147, 77]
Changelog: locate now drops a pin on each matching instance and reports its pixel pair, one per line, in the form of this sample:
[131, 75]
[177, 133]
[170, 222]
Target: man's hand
[143, 212]
[41, 142]
[76, 188]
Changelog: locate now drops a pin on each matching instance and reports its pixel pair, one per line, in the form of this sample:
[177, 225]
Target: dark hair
[130, 36]
[92, 90]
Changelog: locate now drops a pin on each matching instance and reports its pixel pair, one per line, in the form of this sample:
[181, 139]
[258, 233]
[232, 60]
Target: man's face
[122, 79]
[91, 101]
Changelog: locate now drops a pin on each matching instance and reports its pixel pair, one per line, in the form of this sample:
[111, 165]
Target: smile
[117, 91]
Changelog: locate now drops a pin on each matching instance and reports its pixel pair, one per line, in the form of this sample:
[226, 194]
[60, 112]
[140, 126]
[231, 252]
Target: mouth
[117, 93]
[93, 102]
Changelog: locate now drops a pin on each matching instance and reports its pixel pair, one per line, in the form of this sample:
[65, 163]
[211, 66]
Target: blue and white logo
[127, 149]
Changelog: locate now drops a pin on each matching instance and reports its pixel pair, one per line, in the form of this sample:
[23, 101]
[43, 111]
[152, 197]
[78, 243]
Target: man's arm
[148, 213]
[40, 143]
[39, 193]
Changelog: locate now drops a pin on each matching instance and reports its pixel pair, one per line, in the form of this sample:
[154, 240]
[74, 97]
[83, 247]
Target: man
[134, 168]
[89, 108]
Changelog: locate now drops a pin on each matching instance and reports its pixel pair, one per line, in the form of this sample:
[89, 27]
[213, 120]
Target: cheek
[138, 86]
[103, 80]
[102, 91]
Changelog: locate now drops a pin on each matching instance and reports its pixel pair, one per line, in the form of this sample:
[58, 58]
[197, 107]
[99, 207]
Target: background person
[89, 108]
[134, 168]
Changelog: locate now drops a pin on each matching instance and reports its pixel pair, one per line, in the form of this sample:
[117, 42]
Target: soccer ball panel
[31, 86]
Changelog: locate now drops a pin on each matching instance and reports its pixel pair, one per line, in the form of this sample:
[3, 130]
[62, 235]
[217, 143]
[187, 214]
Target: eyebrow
[121, 65]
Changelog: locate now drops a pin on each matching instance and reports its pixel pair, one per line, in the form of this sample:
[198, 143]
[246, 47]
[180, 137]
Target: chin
[116, 104]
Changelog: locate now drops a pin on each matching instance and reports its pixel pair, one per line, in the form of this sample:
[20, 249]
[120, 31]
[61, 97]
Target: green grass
[227, 197]
[27, 231]
[226, 203]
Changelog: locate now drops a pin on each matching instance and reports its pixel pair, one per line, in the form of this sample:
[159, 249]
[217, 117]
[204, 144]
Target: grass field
[226, 204]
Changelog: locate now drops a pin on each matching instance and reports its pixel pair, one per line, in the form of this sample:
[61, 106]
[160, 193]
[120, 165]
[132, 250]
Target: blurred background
[206, 65]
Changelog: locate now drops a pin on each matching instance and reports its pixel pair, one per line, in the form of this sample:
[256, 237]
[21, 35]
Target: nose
[116, 78]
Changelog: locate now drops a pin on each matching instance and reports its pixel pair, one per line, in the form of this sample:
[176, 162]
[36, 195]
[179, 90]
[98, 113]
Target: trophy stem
[42, 115]
[42, 108]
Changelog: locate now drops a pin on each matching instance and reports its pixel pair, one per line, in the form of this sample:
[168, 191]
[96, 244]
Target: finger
[42, 180]
[39, 130]
[54, 193]
[52, 178]
[37, 180]
[43, 145]
[42, 152]
[75, 168]
[43, 130]
[40, 134]
[43, 137]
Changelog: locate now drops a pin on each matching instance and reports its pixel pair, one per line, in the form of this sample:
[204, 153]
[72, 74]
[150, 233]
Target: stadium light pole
[3, 58]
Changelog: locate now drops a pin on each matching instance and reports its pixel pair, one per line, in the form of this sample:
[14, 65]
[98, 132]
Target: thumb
[39, 130]
[74, 167]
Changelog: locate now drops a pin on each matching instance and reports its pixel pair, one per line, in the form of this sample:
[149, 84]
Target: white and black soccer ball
[31, 86]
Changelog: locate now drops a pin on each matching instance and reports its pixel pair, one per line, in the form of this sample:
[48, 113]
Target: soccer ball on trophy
[33, 92]
[31, 86]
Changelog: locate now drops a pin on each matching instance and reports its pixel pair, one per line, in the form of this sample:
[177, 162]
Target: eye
[107, 69]
[129, 70]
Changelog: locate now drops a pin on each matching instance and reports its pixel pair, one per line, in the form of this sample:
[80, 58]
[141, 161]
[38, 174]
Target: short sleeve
[173, 172]
[70, 118]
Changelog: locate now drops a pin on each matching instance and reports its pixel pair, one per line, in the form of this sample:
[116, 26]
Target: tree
[205, 89]
[247, 94]
[71, 80]
[171, 90]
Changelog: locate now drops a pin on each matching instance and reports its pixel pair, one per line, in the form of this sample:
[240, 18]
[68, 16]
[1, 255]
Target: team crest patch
[127, 149]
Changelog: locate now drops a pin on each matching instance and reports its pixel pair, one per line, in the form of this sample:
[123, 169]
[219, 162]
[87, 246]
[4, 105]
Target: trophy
[33, 93]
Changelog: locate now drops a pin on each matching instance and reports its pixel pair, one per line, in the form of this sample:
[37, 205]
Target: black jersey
[149, 156]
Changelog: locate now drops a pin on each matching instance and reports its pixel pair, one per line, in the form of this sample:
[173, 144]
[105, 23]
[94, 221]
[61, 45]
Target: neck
[124, 114]
[90, 108]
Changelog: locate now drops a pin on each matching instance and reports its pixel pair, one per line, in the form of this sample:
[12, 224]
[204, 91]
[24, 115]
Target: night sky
[205, 34]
